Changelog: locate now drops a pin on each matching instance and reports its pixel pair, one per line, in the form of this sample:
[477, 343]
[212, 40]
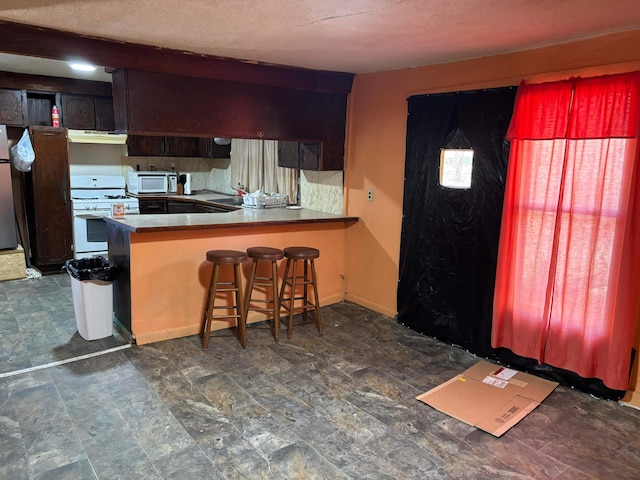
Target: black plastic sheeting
[449, 242]
[450, 237]
[95, 268]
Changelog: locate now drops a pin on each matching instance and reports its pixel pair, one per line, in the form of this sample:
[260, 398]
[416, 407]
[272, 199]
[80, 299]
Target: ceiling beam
[21, 39]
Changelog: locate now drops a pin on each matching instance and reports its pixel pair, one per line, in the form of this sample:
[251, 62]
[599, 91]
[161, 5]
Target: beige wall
[376, 134]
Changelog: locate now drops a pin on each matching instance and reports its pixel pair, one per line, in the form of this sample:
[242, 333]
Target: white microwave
[152, 182]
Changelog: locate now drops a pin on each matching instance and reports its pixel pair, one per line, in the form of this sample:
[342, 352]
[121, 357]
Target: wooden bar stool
[306, 280]
[224, 257]
[264, 254]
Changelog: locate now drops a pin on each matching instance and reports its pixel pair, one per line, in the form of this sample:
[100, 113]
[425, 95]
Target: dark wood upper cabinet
[39, 105]
[148, 103]
[78, 111]
[83, 112]
[105, 119]
[13, 107]
[164, 146]
[288, 154]
[310, 155]
[145, 145]
[28, 99]
[187, 146]
[301, 155]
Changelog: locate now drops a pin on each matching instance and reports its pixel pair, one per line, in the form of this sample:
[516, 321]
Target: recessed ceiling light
[82, 67]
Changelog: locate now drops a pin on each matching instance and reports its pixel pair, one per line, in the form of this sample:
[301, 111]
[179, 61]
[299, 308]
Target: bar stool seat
[219, 258]
[266, 283]
[292, 279]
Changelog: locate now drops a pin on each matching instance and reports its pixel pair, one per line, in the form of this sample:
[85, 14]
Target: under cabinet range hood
[97, 137]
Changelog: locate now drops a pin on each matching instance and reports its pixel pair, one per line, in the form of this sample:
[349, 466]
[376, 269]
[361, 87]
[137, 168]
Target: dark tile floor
[340, 406]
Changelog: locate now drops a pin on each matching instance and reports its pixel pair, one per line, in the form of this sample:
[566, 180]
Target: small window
[455, 167]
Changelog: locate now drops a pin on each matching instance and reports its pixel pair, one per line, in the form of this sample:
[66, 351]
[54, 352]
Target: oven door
[89, 234]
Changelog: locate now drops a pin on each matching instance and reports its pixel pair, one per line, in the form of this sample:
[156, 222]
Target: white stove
[92, 199]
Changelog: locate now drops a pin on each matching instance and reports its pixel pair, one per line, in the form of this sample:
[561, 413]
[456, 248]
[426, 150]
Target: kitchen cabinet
[145, 145]
[174, 206]
[13, 107]
[48, 201]
[39, 105]
[167, 205]
[206, 107]
[202, 208]
[148, 206]
[27, 100]
[165, 146]
[85, 112]
[301, 155]
[105, 118]
[187, 146]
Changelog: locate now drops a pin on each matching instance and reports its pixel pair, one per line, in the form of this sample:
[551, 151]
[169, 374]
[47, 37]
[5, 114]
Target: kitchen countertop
[241, 217]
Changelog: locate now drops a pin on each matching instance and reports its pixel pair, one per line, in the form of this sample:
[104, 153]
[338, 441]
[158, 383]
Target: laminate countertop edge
[205, 221]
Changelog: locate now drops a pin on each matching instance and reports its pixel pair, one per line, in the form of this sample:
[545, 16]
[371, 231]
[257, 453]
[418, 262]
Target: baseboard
[370, 305]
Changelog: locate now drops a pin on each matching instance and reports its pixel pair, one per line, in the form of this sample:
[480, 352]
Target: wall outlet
[370, 194]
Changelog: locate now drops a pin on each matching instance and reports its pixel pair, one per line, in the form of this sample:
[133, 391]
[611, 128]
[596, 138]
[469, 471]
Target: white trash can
[92, 290]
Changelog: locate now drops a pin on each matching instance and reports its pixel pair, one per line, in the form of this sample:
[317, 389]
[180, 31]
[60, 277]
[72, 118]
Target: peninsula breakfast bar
[163, 274]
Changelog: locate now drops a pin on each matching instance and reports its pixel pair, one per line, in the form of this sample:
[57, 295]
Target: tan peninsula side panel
[170, 274]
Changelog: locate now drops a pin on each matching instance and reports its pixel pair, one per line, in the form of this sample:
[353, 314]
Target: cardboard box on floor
[489, 397]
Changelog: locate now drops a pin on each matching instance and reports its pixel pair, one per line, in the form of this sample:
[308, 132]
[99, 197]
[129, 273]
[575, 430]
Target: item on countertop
[240, 190]
[117, 210]
[258, 199]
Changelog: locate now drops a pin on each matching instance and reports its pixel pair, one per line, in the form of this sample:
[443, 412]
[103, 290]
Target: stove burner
[84, 198]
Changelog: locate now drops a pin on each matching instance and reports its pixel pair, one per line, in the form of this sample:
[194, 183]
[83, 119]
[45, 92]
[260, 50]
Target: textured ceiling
[354, 36]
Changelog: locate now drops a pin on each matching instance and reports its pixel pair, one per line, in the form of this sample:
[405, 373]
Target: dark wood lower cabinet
[179, 207]
[160, 205]
[48, 202]
[201, 208]
[148, 206]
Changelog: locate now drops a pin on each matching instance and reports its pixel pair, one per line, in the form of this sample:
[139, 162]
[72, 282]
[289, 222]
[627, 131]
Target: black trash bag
[95, 268]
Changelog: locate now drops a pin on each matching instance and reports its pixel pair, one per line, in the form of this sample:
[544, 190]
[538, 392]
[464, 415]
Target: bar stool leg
[285, 280]
[315, 297]
[250, 282]
[293, 299]
[241, 311]
[305, 290]
[211, 300]
[276, 301]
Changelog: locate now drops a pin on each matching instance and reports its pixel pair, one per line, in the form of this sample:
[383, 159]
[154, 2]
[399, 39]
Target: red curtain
[568, 279]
